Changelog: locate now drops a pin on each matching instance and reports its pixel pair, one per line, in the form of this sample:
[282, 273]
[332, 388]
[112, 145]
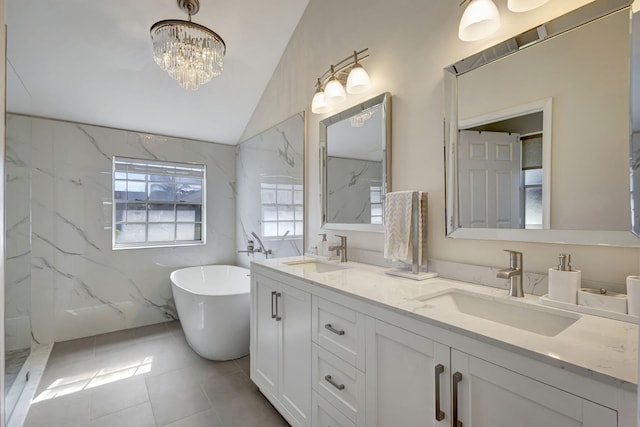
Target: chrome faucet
[342, 249]
[251, 249]
[513, 273]
[262, 248]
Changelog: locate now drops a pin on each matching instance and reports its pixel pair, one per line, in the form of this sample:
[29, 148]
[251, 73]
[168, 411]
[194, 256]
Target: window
[375, 195]
[157, 203]
[282, 210]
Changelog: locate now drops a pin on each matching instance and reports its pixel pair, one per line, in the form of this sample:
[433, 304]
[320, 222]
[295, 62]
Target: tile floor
[145, 377]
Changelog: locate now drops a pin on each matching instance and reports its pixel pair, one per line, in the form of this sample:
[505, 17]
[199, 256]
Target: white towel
[398, 244]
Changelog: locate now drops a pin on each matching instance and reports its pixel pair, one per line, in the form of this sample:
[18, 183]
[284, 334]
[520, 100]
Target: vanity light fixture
[479, 20]
[190, 53]
[481, 17]
[524, 5]
[330, 88]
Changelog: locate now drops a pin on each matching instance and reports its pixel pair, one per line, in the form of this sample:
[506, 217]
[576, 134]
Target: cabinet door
[295, 346]
[401, 378]
[264, 335]
[492, 396]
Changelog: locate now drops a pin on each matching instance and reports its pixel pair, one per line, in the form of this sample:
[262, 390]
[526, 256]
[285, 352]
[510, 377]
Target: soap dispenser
[323, 244]
[564, 282]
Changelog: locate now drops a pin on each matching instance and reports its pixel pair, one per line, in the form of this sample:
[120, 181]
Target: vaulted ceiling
[90, 62]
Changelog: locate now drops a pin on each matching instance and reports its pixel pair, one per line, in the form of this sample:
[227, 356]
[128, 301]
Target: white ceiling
[90, 61]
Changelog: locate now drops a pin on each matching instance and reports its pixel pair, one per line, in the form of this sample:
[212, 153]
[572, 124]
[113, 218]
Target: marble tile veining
[79, 286]
[276, 156]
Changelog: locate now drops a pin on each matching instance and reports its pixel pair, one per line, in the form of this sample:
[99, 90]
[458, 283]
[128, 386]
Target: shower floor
[13, 361]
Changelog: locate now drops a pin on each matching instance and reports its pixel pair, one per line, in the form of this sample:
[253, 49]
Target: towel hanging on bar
[399, 226]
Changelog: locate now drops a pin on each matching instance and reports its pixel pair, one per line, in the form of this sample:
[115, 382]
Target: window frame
[168, 165]
[293, 187]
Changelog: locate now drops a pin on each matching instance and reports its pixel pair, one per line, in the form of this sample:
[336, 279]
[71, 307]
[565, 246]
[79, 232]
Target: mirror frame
[383, 99]
[571, 20]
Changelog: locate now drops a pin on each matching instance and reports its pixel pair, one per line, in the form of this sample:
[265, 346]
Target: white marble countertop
[601, 348]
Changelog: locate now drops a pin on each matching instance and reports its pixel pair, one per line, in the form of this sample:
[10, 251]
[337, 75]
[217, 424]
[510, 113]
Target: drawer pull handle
[457, 377]
[439, 369]
[333, 383]
[332, 329]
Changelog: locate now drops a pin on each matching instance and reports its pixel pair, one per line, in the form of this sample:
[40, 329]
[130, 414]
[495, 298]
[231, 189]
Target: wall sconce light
[481, 17]
[479, 20]
[330, 88]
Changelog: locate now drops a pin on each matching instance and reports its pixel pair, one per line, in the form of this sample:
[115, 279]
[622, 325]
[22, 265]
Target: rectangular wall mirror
[537, 133]
[355, 159]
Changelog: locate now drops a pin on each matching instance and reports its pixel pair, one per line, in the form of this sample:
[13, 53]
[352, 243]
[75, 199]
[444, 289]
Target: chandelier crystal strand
[188, 52]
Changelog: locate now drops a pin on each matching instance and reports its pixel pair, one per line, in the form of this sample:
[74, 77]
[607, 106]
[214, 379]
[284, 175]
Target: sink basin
[515, 314]
[315, 266]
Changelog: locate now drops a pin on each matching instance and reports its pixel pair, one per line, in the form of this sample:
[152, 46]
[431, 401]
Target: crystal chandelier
[190, 53]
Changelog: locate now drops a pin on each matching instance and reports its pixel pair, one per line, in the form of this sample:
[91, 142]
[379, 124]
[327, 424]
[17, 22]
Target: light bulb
[334, 93]
[524, 5]
[358, 80]
[318, 104]
[479, 20]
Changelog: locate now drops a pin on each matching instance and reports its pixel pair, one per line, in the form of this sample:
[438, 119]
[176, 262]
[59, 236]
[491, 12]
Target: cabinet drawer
[325, 415]
[339, 330]
[340, 383]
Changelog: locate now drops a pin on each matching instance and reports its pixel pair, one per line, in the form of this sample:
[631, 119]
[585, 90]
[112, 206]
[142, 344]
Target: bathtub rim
[218, 295]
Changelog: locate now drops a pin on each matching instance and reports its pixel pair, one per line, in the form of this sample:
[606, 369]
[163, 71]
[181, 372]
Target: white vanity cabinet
[406, 378]
[485, 394]
[281, 347]
[338, 363]
[412, 380]
[339, 360]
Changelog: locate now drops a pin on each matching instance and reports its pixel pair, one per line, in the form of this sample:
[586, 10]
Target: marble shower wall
[18, 232]
[349, 183]
[79, 285]
[276, 156]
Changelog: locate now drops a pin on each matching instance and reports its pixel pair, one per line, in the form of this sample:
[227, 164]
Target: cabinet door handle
[273, 303]
[330, 380]
[439, 369]
[332, 329]
[273, 297]
[457, 377]
[278, 318]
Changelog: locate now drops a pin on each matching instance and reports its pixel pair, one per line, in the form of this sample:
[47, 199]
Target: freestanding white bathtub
[213, 307]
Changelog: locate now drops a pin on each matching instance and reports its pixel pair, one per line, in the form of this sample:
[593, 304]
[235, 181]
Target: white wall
[79, 285]
[410, 42]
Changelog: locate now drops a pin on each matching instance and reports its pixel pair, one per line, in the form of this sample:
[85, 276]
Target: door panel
[489, 173]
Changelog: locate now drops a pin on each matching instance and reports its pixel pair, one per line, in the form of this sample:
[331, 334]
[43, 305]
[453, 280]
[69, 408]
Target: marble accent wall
[18, 240]
[275, 156]
[349, 183]
[79, 285]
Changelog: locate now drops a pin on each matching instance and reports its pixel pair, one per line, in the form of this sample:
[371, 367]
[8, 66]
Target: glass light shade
[358, 80]
[334, 93]
[188, 52]
[524, 5]
[479, 20]
[318, 104]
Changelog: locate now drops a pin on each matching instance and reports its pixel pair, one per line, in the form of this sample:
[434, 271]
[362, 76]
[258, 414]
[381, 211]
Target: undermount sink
[315, 266]
[539, 320]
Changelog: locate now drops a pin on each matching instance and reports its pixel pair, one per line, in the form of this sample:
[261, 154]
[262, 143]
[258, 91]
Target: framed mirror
[355, 163]
[537, 133]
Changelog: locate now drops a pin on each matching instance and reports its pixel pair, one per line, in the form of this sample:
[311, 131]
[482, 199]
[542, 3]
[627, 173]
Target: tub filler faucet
[513, 273]
[251, 249]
